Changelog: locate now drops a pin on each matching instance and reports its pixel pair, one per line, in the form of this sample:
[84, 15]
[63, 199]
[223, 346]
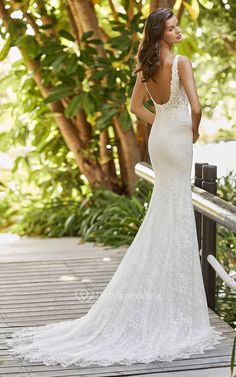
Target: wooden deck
[46, 289]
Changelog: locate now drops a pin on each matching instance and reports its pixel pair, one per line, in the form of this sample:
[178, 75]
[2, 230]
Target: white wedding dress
[154, 308]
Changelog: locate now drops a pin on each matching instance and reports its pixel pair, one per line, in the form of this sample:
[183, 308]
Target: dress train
[154, 308]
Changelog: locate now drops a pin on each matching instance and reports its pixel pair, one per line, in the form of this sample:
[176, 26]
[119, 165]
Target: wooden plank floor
[38, 292]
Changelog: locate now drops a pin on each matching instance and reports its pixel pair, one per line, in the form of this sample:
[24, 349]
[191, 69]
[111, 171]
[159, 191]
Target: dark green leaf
[46, 26]
[106, 119]
[111, 82]
[71, 64]
[65, 34]
[87, 102]
[59, 61]
[6, 48]
[73, 106]
[86, 35]
[59, 92]
[95, 41]
[125, 120]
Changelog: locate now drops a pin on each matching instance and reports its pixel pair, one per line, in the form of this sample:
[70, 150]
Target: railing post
[209, 175]
[198, 215]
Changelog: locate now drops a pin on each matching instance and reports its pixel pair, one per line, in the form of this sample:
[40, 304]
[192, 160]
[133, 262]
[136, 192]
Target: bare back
[159, 86]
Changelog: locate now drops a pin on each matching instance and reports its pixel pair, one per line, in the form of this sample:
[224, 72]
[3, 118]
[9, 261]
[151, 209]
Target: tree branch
[230, 45]
[113, 10]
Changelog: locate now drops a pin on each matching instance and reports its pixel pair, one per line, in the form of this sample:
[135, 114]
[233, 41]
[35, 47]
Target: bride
[154, 308]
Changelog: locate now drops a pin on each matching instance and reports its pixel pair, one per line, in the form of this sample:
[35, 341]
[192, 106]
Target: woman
[154, 307]
[155, 58]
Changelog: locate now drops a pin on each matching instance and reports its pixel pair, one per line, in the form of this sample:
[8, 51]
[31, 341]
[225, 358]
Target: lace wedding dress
[154, 307]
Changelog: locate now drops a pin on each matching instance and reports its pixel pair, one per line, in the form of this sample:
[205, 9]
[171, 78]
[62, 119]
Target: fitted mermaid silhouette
[154, 307]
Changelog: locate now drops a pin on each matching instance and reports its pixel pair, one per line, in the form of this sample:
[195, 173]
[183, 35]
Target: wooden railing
[209, 210]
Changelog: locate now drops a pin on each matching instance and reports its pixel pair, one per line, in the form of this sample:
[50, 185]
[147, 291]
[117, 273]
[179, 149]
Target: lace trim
[22, 341]
[178, 97]
[172, 81]
[171, 86]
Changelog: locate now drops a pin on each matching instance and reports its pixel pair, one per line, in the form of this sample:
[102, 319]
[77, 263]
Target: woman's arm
[187, 78]
[136, 102]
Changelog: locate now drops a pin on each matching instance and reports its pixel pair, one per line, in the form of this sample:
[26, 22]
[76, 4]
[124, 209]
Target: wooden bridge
[40, 280]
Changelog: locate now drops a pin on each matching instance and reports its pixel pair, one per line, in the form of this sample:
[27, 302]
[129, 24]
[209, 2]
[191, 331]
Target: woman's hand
[195, 136]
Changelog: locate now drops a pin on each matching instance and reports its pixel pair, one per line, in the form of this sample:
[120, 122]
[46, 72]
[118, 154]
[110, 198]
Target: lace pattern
[154, 308]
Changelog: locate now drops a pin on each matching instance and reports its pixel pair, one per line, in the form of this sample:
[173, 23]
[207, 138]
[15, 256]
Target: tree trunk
[143, 131]
[155, 4]
[85, 15]
[90, 168]
[130, 153]
[77, 132]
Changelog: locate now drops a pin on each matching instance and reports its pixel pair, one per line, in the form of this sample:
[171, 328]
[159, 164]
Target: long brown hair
[148, 55]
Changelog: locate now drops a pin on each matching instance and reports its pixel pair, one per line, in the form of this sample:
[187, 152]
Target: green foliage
[100, 85]
[59, 92]
[226, 134]
[82, 78]
[5, 50]
[112, 219]
[216, 66]
[100, 216]
[105, 218]
[226, 252]
[73, 106]
[42, 163]
[45, 194]
[71, 69]
[226, 239]
[100, 212]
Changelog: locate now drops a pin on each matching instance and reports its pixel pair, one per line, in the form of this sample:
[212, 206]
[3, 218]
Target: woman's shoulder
[185, 68]
[183, 58]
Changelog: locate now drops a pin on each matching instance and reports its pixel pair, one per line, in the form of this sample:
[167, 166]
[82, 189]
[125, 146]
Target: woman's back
[167, 94]
[159, 85]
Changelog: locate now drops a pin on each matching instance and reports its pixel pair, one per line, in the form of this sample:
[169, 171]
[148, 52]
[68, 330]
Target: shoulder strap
[149, 92]
[175, 69]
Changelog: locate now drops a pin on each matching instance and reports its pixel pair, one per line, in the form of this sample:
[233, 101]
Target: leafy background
[65, 82]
